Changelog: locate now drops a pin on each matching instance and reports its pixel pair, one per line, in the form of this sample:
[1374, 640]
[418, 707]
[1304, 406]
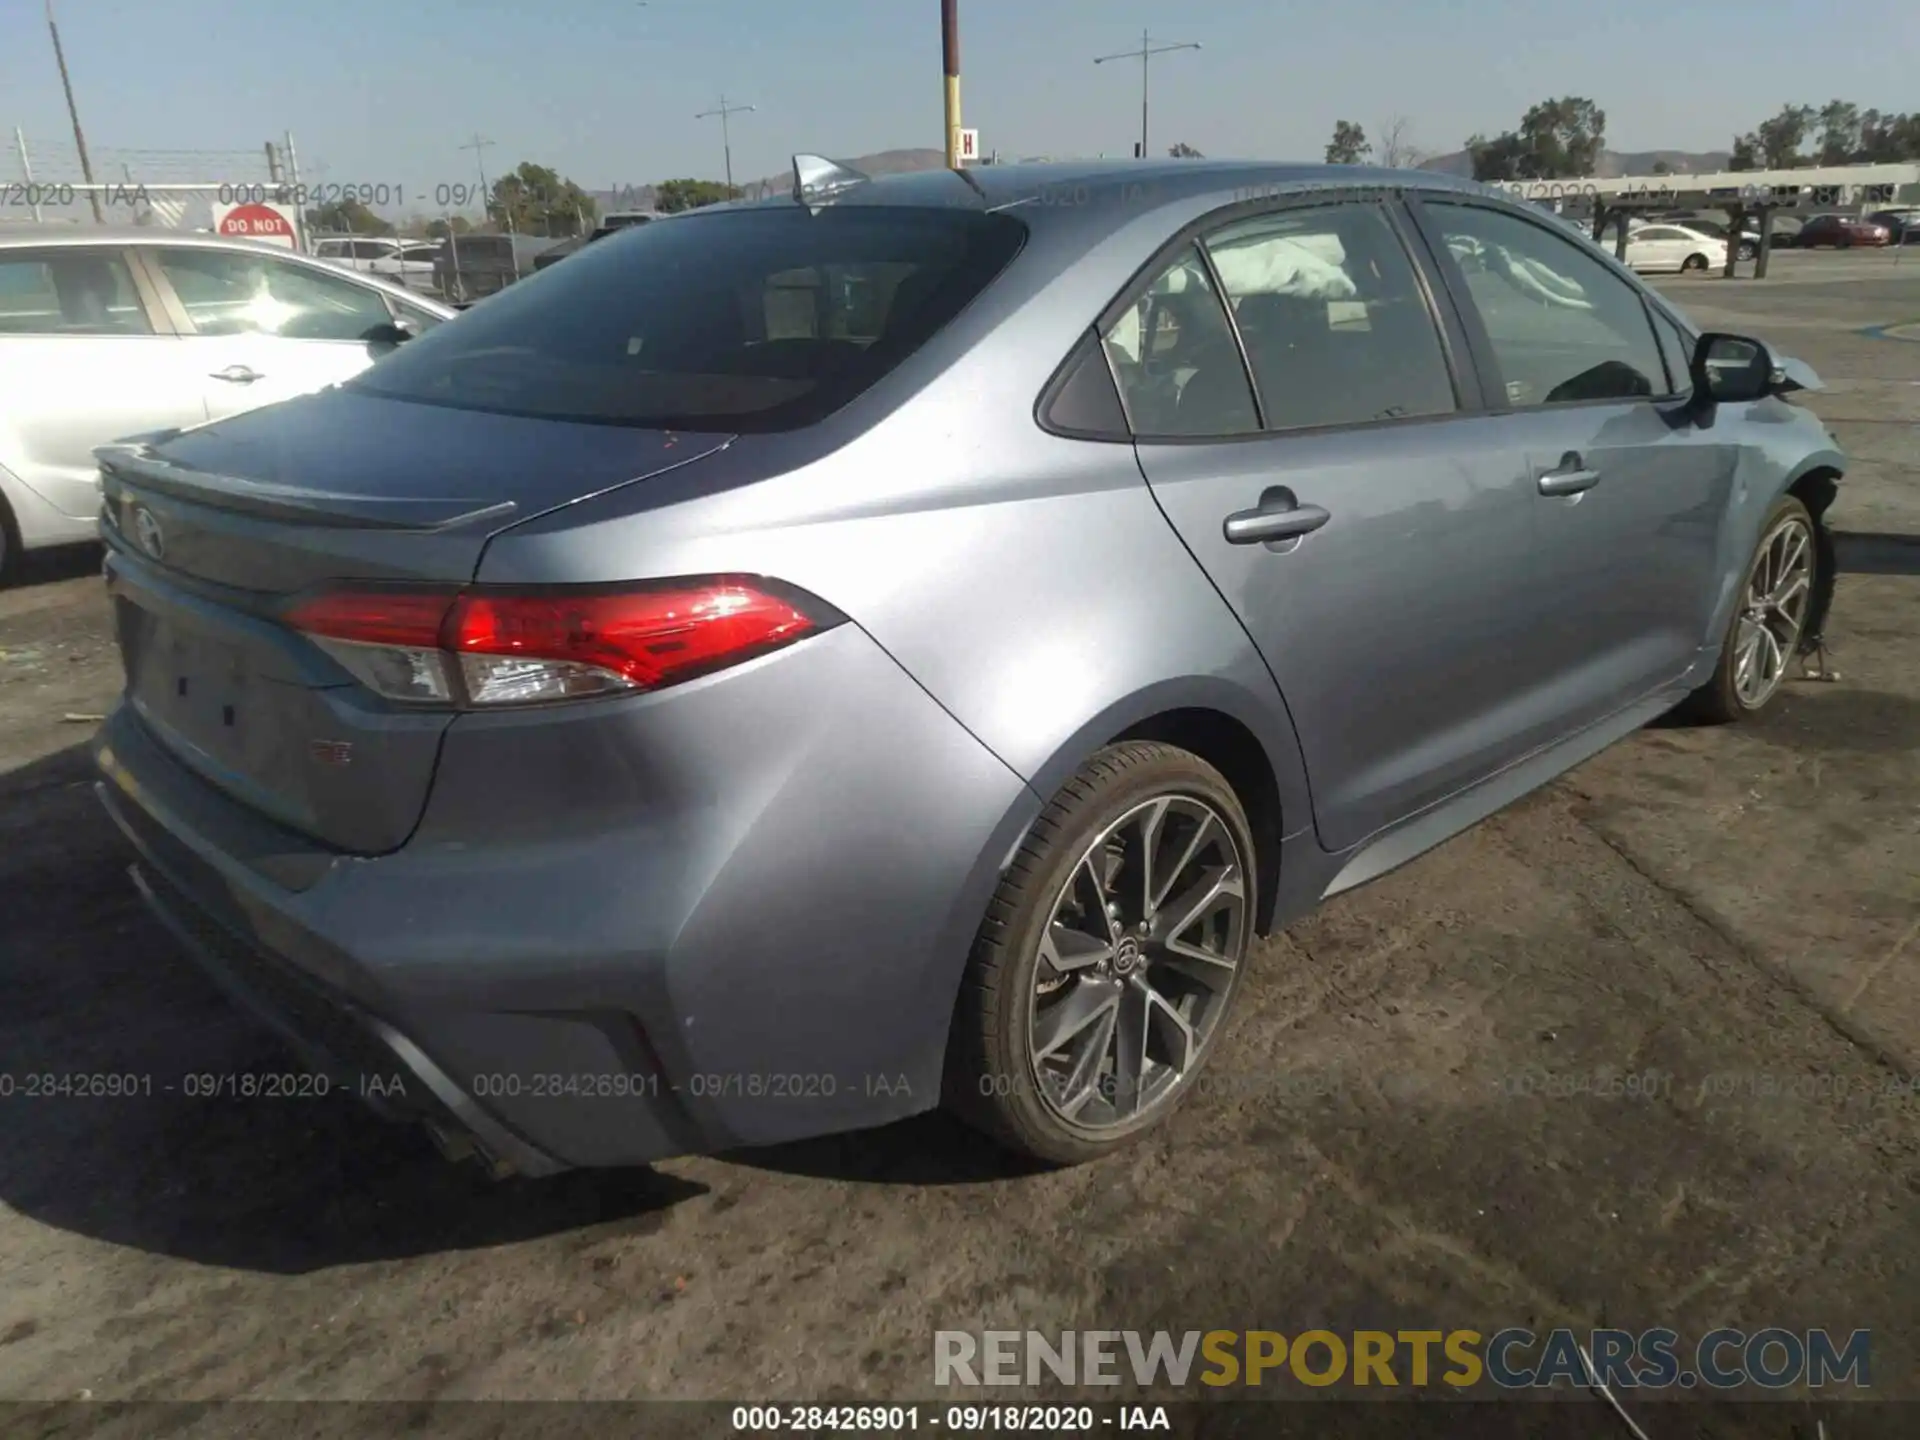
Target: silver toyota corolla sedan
[801, 662]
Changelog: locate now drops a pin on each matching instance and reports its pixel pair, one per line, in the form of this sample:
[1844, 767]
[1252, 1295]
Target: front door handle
[239, 374]
[1252, 527]
[1572, 477]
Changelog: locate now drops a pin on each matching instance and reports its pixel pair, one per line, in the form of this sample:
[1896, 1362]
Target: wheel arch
[1248, 738]
[1816, 484]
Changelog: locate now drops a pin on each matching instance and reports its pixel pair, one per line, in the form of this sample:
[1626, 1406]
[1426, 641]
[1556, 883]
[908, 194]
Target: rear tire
[1760, 649]
[1109, 959]
[1692, 263]
[11, 553]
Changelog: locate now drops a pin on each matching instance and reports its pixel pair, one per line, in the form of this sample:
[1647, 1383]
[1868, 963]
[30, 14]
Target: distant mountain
[1612, 163]
[884, 162]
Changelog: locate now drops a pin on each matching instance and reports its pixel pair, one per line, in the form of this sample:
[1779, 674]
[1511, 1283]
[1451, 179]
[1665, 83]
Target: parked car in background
[789, 665]
[1903, 226]
[109, 332]
[1842, 232]
[1671, 247]
[1786, 229]
[610, 224]
[408, 263]
[1719, 229]
[472, 267]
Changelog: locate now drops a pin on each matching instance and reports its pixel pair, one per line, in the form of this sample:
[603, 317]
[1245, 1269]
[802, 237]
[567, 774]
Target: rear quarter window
[755, 319]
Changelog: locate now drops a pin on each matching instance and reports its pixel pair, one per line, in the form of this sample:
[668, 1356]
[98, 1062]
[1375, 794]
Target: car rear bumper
[731, 916]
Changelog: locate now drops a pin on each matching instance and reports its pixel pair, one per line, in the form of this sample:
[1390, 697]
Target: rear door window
[1336, 325]
[752, 319]
[81, 290]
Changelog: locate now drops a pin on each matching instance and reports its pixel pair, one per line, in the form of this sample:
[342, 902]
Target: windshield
[754, 319]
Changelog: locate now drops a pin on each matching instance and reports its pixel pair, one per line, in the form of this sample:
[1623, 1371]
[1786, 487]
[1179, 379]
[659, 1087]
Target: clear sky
[606, 90]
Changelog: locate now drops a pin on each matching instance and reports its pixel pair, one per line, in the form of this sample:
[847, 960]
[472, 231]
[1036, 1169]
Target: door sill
[1411, 838]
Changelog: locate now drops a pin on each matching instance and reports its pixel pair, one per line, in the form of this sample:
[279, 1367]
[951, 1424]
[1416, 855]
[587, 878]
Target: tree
[1557, 140]
[1183, 151]
[1839, 132]
[1661, 167]
[452, 225]
[1502, 158]
[1746, 152]
[347, 217]
[1564, 138]
[1888, 138]
[1397, 150]
[1780, 138]
[1349, 145]
[537, 200]
[670, 197]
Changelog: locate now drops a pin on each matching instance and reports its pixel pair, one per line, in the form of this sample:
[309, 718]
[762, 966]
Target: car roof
[1084, 192]
[15, 236]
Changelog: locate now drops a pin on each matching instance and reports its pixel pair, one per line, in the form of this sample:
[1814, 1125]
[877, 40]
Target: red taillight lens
[410, 618]
[647, 637]
[523, 647]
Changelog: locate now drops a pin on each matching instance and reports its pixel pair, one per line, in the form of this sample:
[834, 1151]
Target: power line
[1145, 53]
[726, 139]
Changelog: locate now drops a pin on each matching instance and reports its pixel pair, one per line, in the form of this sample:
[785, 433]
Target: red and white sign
[271, 223]
[969, 146]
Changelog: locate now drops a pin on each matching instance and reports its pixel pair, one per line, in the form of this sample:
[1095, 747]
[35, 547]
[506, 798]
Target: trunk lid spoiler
[295, 504]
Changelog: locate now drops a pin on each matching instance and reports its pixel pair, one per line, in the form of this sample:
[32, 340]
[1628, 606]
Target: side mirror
[1732, 369]
[394, 332]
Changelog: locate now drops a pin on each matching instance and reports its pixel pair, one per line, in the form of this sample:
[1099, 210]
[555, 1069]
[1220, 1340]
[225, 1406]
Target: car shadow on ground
[95, 988]
[930, 1149]
[62, 562]
[1861, 552]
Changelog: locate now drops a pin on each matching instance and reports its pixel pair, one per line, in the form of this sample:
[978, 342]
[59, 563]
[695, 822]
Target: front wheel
[1769, 620]
[10, 551]
[1108, 959]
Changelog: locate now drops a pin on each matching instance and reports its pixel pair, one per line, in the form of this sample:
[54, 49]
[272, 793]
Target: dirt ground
[1736, 909]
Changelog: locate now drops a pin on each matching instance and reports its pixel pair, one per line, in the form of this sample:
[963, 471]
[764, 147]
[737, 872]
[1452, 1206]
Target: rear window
[745, 320]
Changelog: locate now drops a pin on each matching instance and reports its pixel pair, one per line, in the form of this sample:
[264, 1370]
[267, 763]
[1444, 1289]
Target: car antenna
[817, 180]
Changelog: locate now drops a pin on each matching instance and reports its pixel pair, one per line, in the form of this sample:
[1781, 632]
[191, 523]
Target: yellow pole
[950, 63]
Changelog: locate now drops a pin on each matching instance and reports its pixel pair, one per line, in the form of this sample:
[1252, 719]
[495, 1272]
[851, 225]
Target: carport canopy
[1741, 193]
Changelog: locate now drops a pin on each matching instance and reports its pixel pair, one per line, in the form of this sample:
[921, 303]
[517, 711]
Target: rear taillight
[505, 647]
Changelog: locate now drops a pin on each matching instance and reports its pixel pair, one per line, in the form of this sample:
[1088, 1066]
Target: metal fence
[174, 189]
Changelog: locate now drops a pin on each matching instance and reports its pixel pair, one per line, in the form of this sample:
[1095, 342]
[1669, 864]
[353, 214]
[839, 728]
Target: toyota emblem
[147, 532]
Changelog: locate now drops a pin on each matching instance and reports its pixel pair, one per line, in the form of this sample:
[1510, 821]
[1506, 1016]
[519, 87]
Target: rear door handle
[238, 374]
[1570, 478]
[1252, 527]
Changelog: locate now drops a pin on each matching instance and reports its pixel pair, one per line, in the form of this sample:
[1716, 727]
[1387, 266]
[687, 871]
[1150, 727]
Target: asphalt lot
[1737, 910]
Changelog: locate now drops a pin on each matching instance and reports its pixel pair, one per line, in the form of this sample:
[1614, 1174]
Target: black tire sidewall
[1006, 1089]
[1719, 699]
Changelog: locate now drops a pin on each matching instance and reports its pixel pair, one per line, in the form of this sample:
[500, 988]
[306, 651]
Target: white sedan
[1674, 247]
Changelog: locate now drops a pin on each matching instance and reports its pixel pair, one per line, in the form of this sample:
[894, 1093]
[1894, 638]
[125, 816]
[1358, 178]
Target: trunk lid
[212, 532]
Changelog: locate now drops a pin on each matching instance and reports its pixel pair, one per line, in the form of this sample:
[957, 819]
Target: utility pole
[79, 140]
[726, 138]
[477, 145]
[950, 67]
[1145, 53]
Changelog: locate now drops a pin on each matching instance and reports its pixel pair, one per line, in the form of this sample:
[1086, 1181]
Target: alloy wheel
[1773, 611]
[1142, 946]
